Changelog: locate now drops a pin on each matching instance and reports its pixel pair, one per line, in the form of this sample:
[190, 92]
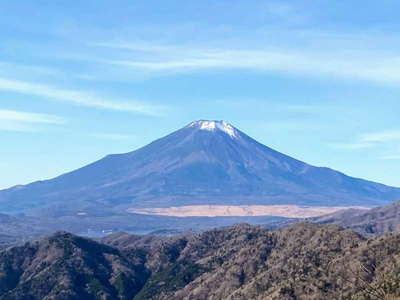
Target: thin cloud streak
[391, 157]
[349, 65]
[373, 139]
[112, 136]
[77, 97]
[8, 68]
[28, 117]
[381, 137]
[353, 146]
[19, 121]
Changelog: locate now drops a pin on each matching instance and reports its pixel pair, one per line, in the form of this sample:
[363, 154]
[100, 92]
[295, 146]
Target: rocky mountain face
[206, 162]
[375, 221]
[304, 261]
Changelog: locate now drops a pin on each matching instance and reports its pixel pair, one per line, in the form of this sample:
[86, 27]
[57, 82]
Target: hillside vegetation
[304, 261]
[378, 220]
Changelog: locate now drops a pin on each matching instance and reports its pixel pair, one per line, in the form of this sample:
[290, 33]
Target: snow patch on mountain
[215, 125]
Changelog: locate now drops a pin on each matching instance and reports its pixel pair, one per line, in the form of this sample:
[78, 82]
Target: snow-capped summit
[215, 125]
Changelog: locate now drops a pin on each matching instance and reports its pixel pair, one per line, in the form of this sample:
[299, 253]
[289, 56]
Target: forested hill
[304, 261]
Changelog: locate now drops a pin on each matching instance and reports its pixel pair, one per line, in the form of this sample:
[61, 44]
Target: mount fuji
[205, 162]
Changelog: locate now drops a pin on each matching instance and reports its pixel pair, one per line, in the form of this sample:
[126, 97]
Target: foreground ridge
[304, 261]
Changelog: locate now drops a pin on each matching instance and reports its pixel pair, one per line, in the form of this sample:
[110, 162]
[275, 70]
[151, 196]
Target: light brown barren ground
[288, 211]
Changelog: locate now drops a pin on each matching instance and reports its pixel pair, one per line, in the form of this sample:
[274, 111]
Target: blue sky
[318, 80]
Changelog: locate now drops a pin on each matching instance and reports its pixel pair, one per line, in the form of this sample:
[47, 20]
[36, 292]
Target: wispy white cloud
[12, 120]
[19, 116]
[287, 13]
[113, 136]
[383, 68]
[353, 146]
[381, 137]
[279, 9]
[78, 97]
[372, 139]
[7, 68]
[391, 157]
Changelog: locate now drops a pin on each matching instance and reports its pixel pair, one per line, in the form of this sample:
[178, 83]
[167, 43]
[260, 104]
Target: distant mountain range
[206, 162]
[304, 261]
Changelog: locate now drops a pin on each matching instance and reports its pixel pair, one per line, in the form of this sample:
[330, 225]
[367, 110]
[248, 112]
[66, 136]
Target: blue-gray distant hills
[206, 162]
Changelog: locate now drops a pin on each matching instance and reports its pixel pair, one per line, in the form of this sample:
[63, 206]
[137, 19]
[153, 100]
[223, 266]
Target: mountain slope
[206, 162]
[375, 221]
[305, 261]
